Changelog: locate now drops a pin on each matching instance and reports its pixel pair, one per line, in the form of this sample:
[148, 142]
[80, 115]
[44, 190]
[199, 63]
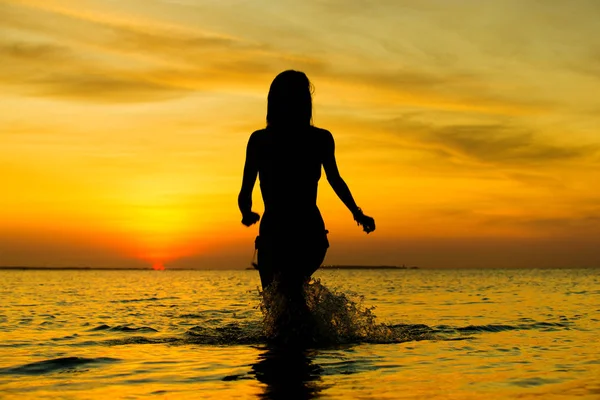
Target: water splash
[326, 317]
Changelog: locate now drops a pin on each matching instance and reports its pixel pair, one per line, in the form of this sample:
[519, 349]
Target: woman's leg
[265, 261]
[314, 261]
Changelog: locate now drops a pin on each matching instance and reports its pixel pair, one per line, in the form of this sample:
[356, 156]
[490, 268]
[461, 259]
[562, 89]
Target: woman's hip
[292, 241]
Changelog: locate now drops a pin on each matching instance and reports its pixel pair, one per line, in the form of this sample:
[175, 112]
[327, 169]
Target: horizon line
[325, 267]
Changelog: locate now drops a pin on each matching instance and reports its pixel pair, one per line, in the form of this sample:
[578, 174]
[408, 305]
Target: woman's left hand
[367, 222]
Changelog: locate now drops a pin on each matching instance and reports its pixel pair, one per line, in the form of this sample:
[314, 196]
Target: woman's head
[290, 100]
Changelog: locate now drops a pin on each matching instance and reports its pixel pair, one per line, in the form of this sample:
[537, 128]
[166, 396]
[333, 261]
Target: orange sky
[468, 129]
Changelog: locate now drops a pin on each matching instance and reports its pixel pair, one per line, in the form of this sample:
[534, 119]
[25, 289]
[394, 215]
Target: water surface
[445, 334]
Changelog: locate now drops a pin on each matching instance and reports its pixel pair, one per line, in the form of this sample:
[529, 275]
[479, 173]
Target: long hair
[290, 100]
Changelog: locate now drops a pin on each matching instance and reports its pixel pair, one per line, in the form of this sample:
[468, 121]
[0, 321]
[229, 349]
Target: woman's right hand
[250, 218]
[367, 222]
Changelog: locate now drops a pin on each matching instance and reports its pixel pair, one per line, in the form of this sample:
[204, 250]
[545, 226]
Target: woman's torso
[289, 168]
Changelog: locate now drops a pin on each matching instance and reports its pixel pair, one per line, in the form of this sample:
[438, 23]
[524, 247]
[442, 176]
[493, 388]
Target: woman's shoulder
[257, 136]
[320, 131]
[259, 132]
[323, 136]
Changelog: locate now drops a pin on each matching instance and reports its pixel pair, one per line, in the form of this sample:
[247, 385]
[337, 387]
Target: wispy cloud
[115, 62]
[504, 144]
[580, 224]
[50, 70]
[500, 143]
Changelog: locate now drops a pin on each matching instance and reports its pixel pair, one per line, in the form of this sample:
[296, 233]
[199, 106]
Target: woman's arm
[248, 181]
[340, 187]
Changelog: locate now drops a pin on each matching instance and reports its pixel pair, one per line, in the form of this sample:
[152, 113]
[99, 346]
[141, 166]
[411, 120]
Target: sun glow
[158, 266]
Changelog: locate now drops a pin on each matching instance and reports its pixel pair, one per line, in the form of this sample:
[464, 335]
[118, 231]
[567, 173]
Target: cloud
[54, 59]
[520, 215]
[101, 86]
[158, 61]
[502, 143]
[33, 51]
[579, 224]
[177, 46]
[493, 143]
[589, 66]
[104, 60]
[50, 70]
[536, 179]
[428, 89]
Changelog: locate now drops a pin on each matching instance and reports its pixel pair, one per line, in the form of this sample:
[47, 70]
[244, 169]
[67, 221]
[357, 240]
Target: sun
[158, 266]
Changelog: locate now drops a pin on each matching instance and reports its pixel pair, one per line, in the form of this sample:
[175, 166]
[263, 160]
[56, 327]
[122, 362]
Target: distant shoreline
[360, 267]
[27, 268]
[367, 267]
[325, 267]
[76, 268]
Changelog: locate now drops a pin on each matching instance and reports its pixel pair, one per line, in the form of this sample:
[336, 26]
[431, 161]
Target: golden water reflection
[189, 334]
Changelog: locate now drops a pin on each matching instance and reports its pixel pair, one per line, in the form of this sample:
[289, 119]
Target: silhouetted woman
[287, 156]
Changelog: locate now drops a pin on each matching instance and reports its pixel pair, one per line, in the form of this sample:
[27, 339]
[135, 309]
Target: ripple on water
[122, 328]
[144, 299]
[534, 381]
[56, 365]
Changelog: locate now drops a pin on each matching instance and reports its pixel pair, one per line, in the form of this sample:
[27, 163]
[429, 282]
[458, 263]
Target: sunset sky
[468, 129]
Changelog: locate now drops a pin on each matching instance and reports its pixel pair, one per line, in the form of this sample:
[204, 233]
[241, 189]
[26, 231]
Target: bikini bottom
[289, 259]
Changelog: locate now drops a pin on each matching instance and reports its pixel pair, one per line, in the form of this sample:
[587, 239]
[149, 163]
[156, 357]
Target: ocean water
[384, 334]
